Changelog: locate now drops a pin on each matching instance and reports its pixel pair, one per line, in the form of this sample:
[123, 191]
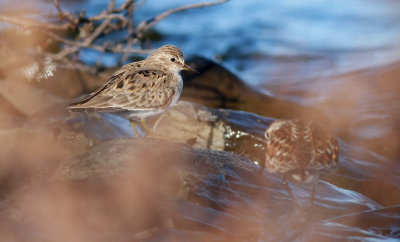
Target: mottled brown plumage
[300, 150]
[140, 89]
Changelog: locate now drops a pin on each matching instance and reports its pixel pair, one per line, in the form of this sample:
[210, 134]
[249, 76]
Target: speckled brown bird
[140, 89]
[300, 151]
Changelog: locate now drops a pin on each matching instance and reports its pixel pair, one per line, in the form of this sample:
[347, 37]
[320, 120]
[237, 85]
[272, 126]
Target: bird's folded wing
[129, 90]
[325, 146]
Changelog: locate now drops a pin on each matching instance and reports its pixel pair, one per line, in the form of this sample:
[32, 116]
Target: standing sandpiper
[300, 151]
[140, 89]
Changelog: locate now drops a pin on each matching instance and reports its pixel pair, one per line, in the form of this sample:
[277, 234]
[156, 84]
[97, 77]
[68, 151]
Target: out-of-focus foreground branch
[74, 32]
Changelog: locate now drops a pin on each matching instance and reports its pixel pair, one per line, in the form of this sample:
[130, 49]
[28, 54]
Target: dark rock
[123, 156]
[236, 131]
[216, 87]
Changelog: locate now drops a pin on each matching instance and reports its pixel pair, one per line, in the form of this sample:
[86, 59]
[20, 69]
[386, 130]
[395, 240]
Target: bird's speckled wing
[130, 89]
[294, 145]
[325, 147]
[280, 155]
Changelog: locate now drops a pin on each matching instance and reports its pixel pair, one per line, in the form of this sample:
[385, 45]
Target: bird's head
[170, 57]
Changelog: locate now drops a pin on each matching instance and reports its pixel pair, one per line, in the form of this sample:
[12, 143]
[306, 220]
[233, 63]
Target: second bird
[140, 89]
[300, 151]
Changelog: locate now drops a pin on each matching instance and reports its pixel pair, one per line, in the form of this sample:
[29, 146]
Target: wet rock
[241, 133]
[97, 126]
[216, 87]
[118, 156]
[192, 124]
[238, 132]
[217, 129]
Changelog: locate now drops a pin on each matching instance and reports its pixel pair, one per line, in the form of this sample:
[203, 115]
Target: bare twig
[74, 65]
[126, 5]
[139, 4]
[76, 45]
[109, 16]
[57, 5]
[111, 5]
[145, 25]
[120, 49]
[130, 31]
[89, 29]
[97, 32]
[65, 15]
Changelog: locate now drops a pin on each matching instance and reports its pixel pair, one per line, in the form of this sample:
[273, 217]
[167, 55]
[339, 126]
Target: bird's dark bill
[188, 68]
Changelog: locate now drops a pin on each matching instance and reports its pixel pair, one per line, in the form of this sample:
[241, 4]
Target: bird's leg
[143, 122]
[134, 128]
[286, 185]
[312, 196]
[149, 131]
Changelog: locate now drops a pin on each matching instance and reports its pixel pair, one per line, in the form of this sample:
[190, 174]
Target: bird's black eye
[172, 59]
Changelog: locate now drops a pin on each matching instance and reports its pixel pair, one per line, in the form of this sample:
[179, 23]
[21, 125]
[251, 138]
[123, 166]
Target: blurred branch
[75, 32]
[145, 25]
[70, 17]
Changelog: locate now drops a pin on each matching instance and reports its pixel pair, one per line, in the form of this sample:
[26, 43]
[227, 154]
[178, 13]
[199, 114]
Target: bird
[300, 151]
[139, 89]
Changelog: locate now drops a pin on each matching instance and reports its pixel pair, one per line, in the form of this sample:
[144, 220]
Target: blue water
[258, 38]
[247, 34]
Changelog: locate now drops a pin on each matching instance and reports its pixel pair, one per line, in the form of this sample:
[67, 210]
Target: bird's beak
[186, 67]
